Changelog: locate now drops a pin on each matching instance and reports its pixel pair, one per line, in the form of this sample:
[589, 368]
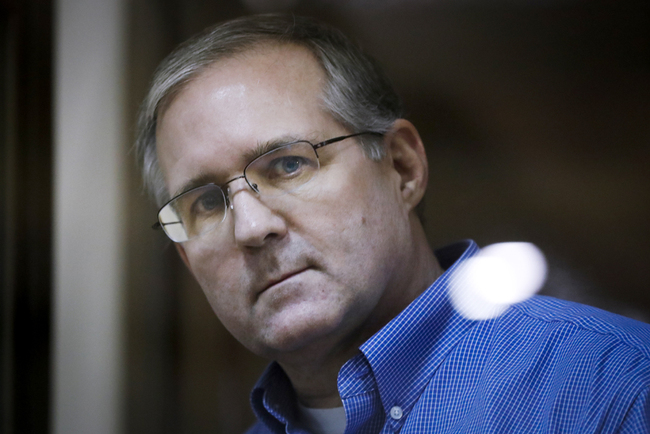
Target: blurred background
[536, 119]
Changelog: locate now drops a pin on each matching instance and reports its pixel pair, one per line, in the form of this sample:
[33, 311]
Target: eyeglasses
[279, 171]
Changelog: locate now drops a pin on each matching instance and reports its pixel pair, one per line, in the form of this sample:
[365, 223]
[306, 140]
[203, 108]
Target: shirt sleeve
[637, 419]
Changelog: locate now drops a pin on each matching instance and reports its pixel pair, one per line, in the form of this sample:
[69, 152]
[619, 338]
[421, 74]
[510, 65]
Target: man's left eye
[285, 166]
[290, 164]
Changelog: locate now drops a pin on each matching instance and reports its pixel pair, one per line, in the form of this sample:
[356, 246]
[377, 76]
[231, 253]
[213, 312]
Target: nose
[255, 223]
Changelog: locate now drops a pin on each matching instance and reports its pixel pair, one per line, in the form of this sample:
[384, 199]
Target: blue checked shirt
[544, 366]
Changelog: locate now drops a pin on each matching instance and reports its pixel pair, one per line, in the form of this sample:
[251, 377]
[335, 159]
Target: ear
[181, 252]
[408, 157]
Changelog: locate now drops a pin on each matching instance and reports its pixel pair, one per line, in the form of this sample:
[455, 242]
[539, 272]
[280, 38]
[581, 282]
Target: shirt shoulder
[545, 365]
[587, 320]
[578, 350]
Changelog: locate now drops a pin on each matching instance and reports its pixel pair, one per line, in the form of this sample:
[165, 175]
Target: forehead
[261, 95]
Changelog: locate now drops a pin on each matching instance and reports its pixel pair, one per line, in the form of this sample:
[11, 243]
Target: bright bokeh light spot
[499, 276]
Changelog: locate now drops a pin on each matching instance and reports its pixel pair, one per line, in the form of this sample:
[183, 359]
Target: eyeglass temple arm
[338, 139]
[159, 225]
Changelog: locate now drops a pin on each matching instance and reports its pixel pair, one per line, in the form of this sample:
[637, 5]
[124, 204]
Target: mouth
[282, 278]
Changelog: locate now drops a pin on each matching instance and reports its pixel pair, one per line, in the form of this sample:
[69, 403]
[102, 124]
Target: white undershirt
[322, 420]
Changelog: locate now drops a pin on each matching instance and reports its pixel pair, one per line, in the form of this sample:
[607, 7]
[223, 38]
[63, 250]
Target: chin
[307, 333]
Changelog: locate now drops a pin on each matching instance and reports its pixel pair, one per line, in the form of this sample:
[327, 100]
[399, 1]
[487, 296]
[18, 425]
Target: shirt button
[396, 412]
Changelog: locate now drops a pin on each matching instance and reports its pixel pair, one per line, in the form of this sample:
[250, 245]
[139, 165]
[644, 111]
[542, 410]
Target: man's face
[300, 274]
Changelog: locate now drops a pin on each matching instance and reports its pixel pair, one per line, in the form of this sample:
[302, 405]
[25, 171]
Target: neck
[316, 388]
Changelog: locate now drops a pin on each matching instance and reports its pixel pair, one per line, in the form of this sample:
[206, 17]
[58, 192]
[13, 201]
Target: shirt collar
[273, 399]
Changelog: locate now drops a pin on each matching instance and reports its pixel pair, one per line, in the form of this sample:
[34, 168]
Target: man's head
[302, 275]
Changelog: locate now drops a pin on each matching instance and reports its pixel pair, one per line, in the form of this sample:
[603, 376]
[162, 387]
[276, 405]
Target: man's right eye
[208, 203]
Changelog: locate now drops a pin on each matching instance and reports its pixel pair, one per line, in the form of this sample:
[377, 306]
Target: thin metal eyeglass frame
[159, 224]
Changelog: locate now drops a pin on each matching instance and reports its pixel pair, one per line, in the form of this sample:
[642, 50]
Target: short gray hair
[357, 92]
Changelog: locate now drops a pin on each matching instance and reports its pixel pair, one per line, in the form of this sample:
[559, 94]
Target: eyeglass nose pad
[228, 201]
[253, 186]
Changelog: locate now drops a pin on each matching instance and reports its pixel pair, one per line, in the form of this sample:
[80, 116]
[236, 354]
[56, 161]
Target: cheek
[356, 225]
[217, 274]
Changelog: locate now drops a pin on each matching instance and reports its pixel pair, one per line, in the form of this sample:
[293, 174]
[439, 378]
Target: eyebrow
[248, 156]
[197, 181]
[264, 147]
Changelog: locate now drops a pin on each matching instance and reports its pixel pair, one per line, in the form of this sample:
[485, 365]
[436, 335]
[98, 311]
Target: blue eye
[283, 169]
[290, 164]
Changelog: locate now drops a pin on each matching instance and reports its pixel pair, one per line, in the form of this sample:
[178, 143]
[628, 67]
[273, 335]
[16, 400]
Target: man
[290, 184]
